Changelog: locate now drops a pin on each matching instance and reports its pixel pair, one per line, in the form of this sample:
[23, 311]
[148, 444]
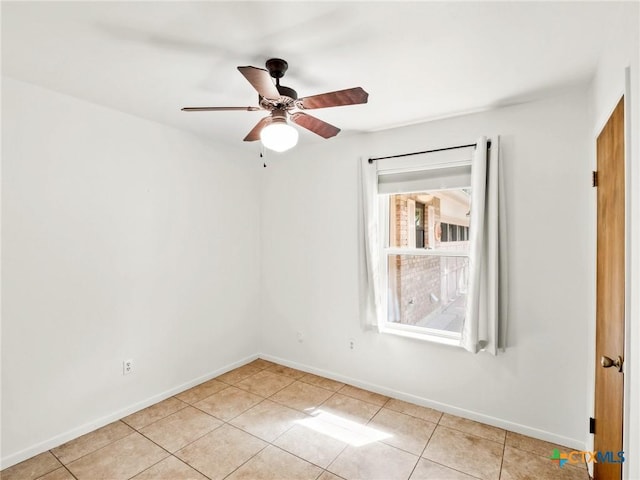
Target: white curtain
[369, 246]
[485, 320]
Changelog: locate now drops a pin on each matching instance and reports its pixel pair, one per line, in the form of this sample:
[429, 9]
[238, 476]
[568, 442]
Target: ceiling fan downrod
[277, 67]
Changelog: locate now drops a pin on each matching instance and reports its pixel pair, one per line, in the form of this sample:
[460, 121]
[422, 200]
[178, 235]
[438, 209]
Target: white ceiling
[417, 60]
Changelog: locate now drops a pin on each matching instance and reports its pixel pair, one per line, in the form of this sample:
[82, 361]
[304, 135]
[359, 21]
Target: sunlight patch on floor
[343, 429]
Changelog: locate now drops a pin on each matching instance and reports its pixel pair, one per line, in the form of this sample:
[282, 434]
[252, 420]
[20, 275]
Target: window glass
[428, 291]
[427, 284]
[440, 220]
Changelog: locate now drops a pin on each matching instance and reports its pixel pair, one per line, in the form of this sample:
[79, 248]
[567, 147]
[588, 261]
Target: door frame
[628, 369]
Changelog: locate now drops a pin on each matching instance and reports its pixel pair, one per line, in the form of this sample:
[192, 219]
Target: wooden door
[610, 294]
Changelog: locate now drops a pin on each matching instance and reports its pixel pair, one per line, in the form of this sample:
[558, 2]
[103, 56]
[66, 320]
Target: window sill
[452, 340]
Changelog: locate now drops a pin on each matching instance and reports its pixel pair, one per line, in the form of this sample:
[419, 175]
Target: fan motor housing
[287, 92]
[277, 67]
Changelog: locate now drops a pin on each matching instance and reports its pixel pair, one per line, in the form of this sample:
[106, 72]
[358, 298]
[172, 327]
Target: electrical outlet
[300, 337]
[127, 367]
[352, 344]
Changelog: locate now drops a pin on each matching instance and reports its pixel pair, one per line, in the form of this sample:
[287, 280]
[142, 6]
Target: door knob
[606, 362]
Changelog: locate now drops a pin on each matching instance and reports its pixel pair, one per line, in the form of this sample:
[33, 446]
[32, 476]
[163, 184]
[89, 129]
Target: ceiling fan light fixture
[275, 131]
[279, 136]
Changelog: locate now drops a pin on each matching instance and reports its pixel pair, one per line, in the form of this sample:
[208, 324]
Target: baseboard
[58, 440]
[443, 407]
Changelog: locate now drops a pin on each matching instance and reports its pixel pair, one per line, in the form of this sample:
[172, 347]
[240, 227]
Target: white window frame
[410, 331]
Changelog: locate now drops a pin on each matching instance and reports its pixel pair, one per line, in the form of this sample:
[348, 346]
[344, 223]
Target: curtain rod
[371, 160]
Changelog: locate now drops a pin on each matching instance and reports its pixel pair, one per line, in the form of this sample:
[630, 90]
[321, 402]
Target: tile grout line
[415, 466]
[248, 459]
[411, 415]
[336, 457]
[70, 472]
[428, 441]
[475, 422]
[111, 443]
[296, 409]
[165, 458]
[504, 449]
[271, 443]
[304, 459]
[362, 399]
[191, 466]
[235, 416]
[379, 408]
[97, 449]
[156, 444]
[438, 463]
[56, 457]
[419, 455]
[268, 443]
[236, 385]
[427, 444]
[169, 452]
[320, 386]
[155, 421]
[237, 428]
[152, 465]
[472, 434]
[50, 471]
[163, 418]
[448, 467]
[89, 453]
[275, 393]
[185, 446]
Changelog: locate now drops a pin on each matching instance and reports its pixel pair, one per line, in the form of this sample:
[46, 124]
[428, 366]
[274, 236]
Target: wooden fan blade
[261, 81]
[350, 96]
[315, 125]
[254, 134]
[219, 109]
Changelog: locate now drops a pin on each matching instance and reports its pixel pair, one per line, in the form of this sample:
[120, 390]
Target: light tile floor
[267, 421]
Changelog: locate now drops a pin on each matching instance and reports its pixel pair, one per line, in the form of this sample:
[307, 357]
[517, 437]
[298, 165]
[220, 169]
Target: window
[419, 225]
[418, 234]
[455, 233]
[425, 250]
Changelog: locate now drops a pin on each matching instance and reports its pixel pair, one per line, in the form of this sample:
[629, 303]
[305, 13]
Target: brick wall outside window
[417, 280]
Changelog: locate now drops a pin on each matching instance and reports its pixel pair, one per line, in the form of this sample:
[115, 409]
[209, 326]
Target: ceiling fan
[274, 131]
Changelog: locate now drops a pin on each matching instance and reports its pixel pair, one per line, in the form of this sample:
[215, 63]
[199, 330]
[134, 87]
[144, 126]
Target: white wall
[310, 272]
[620, 52]
[121, 239]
